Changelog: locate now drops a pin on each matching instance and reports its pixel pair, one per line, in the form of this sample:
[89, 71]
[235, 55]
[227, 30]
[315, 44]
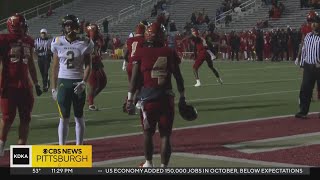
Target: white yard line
[193, 100]
[203, 85]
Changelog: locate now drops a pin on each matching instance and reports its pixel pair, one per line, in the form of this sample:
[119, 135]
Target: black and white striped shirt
[42, 46]
[310, 53]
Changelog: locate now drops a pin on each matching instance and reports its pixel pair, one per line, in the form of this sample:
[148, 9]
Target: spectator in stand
[50, 12]
[193, 18]
[154, 11]
[188, 27]
[281, 8]
[200, 19]
[105, 25]
[206, 19]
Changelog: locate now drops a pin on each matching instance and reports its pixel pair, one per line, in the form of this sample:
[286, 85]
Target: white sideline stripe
[203, 85]
[57, 118]
[253, 150]
[202, 156]
[181, 128]
[193, 100]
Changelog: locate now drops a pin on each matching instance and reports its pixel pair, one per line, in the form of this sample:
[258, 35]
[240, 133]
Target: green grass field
[250, 90]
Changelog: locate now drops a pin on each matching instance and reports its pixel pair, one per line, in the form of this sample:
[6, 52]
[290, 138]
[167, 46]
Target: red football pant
[201, 57]
[159, 112]
[13, 99]
[97, 82]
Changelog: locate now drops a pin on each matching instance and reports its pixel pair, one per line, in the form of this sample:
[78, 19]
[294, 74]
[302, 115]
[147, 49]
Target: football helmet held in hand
[187, 112]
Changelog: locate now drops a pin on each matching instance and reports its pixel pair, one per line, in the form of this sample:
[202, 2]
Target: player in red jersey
[179, 45]
[202, 55]
[267, 45]
[156, 64]
[16, 57]
[133, 44]
[97, 79]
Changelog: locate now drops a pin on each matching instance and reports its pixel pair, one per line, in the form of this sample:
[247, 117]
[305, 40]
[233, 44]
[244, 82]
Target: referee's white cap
[43, 31]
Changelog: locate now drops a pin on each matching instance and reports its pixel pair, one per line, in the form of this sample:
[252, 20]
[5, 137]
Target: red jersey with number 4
[156, 66]
[132, 44]
[15, 53]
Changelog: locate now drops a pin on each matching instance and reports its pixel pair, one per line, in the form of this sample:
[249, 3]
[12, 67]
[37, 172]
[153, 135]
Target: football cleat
[220, 81]
[144, 164]
[198, 84]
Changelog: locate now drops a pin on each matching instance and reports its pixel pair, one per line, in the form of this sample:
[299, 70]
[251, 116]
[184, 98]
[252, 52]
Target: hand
[124, 66]
[38, 90]
[182, 102]
[54, 94]
[130, 107]
[296, 61]
[80, 87]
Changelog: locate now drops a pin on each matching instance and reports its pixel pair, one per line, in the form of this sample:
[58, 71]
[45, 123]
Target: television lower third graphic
[20, 156]
[50, 156]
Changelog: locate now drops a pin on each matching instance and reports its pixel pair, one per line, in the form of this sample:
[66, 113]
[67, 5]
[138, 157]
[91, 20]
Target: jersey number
[70, 59]
[159, 70]
[134, 48]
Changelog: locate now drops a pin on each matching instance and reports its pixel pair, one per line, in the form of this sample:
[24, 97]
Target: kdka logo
[20, 156]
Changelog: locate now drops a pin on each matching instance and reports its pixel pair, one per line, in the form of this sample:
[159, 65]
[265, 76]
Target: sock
[245, 54]
[2, 147]
[223, 55]
[90, 99]
[63, 130]
[162, 165]
[198, 81]
[80, 126]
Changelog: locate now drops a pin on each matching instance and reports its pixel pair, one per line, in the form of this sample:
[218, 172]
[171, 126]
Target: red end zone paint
[210, 140]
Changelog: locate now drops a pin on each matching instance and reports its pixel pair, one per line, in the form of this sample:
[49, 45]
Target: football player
[155, 64]
[71, 54]
[202, 55]
[133, 44]
[15, 85]
[98, 79]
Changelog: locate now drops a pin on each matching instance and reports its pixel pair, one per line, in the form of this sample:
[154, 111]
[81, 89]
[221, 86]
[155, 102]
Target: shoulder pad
[56, 40]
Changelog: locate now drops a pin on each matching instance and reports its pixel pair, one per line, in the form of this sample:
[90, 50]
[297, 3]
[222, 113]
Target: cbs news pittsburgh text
[77, 160]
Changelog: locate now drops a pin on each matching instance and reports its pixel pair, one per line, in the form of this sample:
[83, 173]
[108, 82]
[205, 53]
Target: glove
[80, 87]
[38, 90]
[124, 66]
[54, 94]
[296, 62]
[130, 107]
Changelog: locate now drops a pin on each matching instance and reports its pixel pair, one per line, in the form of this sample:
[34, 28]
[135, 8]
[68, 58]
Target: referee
[42, 49]
[310, 61]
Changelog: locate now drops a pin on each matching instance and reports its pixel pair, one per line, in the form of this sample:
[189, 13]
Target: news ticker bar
[161, 171]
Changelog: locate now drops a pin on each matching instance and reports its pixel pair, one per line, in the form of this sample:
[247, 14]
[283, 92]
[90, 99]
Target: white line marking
[242, 146]
[202, 156]
[204, 85]
[194, 100]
